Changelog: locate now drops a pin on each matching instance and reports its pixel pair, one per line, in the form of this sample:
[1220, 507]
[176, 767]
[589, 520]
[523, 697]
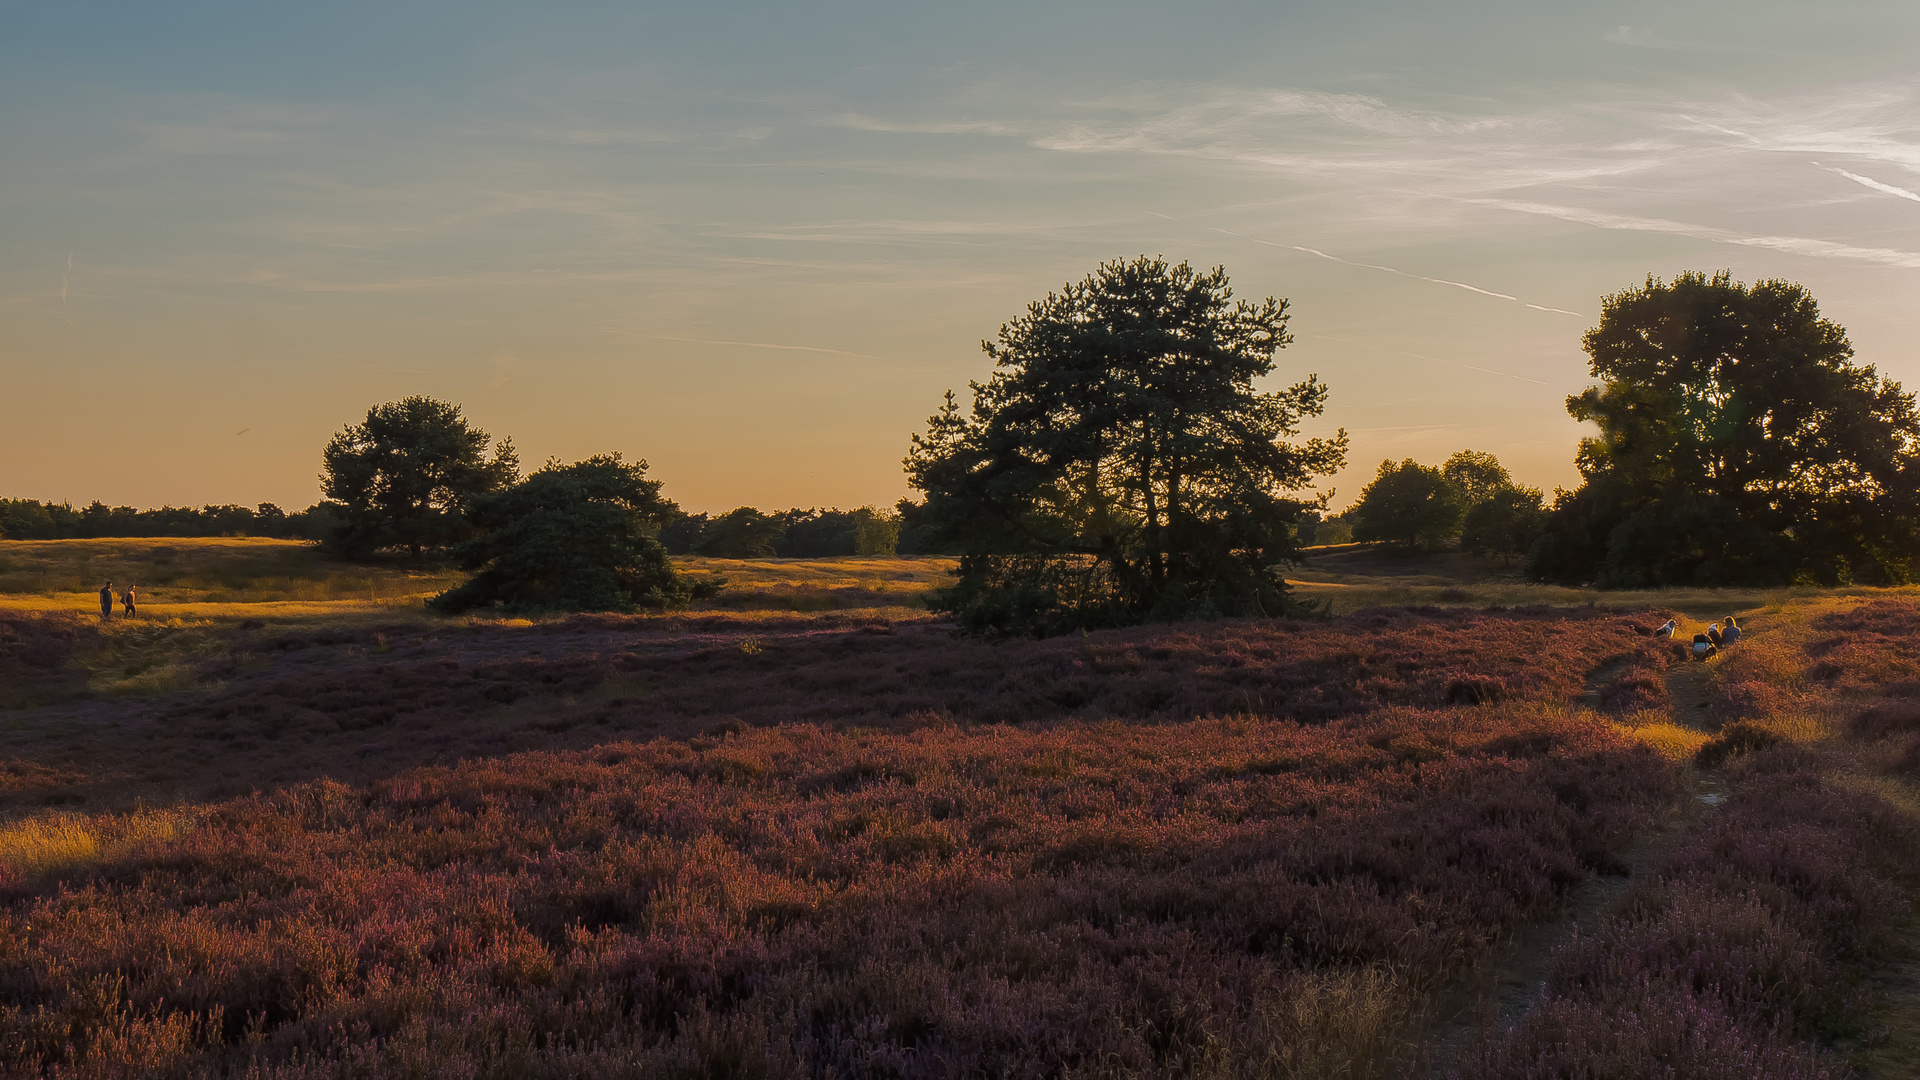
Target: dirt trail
[1514, 977]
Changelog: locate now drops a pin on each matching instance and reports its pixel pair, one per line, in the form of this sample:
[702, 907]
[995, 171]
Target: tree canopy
[1413, 505]
[404, 476]
[576, 537]
[1470, 499]
[1120, 464]
[1738, 443]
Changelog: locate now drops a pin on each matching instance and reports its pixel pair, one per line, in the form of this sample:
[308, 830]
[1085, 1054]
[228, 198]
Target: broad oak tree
[1121, 465]
[405, 476]
[1738, 443]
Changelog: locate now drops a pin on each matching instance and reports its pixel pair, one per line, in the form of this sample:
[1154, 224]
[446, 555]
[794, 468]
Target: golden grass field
[220, 578]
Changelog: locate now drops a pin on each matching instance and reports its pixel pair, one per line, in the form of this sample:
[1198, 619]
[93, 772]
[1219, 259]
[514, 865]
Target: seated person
[1703, 647]
[1731, 634]
[1713, 634]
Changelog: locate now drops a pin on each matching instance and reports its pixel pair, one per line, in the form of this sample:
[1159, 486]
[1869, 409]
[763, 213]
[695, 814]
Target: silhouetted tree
[1476, 475]
[742, 533]
[1738, 443]
[1409, 504]
[404, 476]
[1120, 465]
[1506, 522]
[576, 537]
[681, 535]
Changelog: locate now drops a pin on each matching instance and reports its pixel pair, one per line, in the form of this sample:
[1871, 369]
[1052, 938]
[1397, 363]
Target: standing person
[126, 601]
[106, 601]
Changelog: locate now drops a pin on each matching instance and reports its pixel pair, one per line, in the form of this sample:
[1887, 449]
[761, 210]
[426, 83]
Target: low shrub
[802, 901]
[1729, 962]
[1740, 737]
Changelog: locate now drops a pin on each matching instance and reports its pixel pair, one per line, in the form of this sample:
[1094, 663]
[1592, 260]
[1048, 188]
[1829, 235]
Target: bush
[571, 538]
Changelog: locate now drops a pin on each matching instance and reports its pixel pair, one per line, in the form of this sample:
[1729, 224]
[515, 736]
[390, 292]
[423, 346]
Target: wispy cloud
[1792, 245]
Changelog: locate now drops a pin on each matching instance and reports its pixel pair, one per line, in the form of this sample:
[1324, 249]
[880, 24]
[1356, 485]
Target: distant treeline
[747, 533]
[27, 519]
[743, 533]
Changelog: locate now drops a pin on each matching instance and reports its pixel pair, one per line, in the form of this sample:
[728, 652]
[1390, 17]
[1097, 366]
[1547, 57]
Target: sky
[754, 244]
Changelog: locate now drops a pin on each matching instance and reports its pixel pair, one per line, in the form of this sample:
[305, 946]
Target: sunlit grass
[1668, 739]
[57, 842]
[207, 569]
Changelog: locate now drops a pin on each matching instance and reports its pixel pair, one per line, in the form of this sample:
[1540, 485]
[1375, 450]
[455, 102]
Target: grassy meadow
[289, 823]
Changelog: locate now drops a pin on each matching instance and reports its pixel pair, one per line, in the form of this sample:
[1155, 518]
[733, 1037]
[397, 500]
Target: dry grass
[172, 570]
[208, 577]
[1330, 1025]
[59, 842]
[890, 583]
[1666, 738]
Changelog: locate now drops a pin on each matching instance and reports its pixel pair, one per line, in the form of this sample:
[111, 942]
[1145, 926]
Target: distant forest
[739, 534]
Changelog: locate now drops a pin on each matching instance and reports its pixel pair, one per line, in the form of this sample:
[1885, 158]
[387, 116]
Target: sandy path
[1513, 979]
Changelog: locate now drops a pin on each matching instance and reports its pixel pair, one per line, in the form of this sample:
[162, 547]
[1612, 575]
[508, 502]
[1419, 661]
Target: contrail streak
[1401, 273]
[1868, 181]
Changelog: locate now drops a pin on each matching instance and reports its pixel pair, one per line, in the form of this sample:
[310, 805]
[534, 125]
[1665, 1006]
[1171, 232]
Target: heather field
[813, 834]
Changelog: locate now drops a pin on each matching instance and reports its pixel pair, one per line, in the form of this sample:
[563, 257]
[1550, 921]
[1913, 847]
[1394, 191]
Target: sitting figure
[1713, 635]
[1666, 629]
[1731, 634]
[1703, 647]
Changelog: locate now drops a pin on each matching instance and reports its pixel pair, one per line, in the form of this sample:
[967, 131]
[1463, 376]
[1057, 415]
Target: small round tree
[576, 537]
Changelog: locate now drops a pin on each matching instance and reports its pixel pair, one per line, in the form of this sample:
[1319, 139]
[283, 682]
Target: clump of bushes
[574, 537]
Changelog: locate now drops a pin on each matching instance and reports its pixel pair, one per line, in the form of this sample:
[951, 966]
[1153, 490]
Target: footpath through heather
[1767, 929]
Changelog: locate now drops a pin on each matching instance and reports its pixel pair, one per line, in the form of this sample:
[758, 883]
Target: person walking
[106, 601]
[126, 601]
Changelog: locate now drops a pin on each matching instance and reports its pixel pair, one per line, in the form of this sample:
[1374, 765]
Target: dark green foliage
[1506, 522]
[27, 519]
[1738, 444]
[1413, 505]
[404, 477]
[1476, 475]
[744, 533]
[919, 534]
[680, 535]
[572, 538]
[813, 533]
[816, 534]
[875, 532]
[1120, 466]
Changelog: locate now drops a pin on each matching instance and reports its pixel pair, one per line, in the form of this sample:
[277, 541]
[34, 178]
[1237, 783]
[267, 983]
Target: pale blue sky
[753, 244]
